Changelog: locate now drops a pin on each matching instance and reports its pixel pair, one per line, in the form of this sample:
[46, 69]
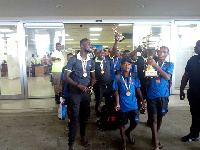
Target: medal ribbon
[84, 65]
[101, 65]
[127, 86]
[160, 67]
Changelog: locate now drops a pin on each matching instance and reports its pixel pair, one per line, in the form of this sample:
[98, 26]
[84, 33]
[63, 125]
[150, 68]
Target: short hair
[123, 60]
[165, 48]
[58, 44]
[69, 54]
[99, 49]
[95, 50]
[77, 51]
[126, 51]
[83, 40]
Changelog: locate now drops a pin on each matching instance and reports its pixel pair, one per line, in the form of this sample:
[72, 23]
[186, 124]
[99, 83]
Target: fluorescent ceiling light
[105, 46]
[151, 23]
[125, 25]
[94, 34]
[6, 30]
[66, 34]
[95, 29]
[69, 39]
[59, 6]
[44, 25]
[94, 39]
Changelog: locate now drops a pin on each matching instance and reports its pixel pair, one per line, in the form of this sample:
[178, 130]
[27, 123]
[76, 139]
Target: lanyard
[160, 66]
[129, 85]
[101, 64]
[84, 65]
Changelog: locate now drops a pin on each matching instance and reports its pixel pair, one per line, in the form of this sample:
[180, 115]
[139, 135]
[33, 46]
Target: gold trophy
[150, 43]
[120, 36]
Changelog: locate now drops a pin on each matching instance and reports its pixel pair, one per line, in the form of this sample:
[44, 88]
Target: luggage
[108, 119]
[62, 109]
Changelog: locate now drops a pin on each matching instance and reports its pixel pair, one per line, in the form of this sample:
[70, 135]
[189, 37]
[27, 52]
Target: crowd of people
[122, 82]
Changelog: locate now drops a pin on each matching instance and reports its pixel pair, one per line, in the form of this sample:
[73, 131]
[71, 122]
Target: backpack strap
[170, 80]
[134, 75]
[118, 80]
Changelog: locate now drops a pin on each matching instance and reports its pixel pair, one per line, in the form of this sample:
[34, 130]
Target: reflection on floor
[33, 125]
[40, 86]
[37, 86]
[10, 87]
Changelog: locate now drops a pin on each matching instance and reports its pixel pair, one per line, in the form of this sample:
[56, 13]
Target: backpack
[71, 74]
[108, 119]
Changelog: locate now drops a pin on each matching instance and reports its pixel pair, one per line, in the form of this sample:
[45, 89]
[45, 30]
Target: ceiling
[101, 13]
[105, 38]
[98, 9]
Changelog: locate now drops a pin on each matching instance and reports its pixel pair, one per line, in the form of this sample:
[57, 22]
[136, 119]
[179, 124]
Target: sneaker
[142, 111]
[188, 138]
[98, 124]
[67, 128]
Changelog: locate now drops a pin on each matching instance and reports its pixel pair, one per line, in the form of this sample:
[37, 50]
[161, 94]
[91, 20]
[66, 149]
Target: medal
[158, 80]
[128, 93]
[84, 74]
[102, 71]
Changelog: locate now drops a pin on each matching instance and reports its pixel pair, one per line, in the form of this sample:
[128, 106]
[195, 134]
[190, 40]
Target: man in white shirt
[58, 64]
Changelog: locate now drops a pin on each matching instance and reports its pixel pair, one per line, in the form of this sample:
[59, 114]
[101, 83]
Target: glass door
[185, 36]
[40, 41]
[11, 62]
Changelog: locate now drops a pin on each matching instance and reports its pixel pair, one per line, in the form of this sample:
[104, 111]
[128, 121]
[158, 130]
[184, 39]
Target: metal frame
[21, 50]
[173, 52]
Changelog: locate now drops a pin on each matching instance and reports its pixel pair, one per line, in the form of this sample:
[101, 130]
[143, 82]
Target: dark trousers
[33, 70]
[101, 91]
[79, 104]
[195, 112]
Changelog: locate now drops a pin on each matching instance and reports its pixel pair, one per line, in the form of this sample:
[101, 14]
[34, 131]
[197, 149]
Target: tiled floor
[32, 124]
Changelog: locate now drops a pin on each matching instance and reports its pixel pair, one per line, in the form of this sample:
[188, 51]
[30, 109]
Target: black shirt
[140, 68]
[106, 76]
[193, 67]
[74, 65]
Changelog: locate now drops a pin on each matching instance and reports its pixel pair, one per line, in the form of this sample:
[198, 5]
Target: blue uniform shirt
[113, 68]
[160, 89]
[133, 68]
[127, 103]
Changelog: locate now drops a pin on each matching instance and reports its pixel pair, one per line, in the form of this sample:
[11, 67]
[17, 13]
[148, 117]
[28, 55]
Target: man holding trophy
[159, 73]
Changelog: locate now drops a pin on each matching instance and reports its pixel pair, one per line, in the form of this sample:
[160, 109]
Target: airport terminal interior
[33, 113]
[28, 112]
